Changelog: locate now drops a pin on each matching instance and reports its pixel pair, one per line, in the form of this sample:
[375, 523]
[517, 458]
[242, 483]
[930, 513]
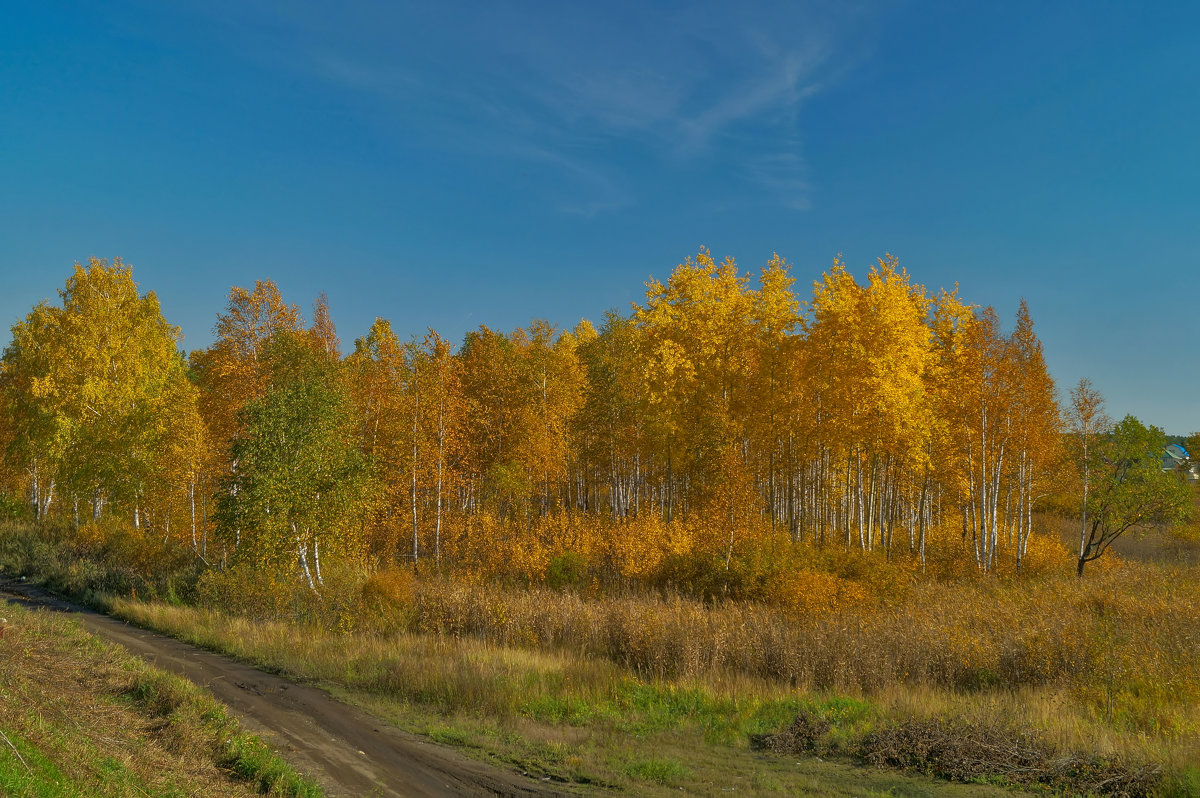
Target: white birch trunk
[192, 503]
[302, 554]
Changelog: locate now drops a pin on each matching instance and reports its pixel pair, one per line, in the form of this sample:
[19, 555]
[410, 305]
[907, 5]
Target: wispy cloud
[777, 89]
[588, 91]
[383, 79]
[785, 176]
[590, 190]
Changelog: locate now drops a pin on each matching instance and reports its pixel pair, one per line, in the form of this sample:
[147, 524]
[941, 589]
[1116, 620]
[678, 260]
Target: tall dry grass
[1109, 662]
[1107, 665]
[1125, 641]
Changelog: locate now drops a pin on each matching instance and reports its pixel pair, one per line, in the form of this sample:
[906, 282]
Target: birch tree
[86, 386]
[294, 492]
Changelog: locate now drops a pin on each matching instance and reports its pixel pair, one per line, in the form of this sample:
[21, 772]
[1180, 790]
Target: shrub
[386, 600]
[804, 735]
[246, 590]
[567, 570]
[12, 508]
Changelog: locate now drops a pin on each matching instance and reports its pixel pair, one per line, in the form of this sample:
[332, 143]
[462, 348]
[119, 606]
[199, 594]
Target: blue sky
[447, 165]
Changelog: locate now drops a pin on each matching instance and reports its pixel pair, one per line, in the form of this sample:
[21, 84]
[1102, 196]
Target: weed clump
[969, 752]
[972, 752]
[660, 770]
[806, 734]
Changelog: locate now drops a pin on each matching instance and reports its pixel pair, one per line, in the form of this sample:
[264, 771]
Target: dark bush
[567, 570]
[805, 735]
[972, 752]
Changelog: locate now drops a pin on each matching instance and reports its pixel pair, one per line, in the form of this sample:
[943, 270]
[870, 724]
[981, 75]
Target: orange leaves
[521, 394]
[811, 593]
[229, 370]
[252, 317]
[715, 416]
[639, 547]
[1046, 554]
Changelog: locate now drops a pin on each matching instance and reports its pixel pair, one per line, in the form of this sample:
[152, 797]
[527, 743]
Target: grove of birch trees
[724, 416]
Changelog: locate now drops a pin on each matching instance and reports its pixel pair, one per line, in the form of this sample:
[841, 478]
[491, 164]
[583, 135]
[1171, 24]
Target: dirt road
[348, 751]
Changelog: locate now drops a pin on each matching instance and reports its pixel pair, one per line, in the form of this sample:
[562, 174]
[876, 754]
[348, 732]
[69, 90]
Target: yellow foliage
[1046, 554]
[92, 533]
[389, 588]
[812, 593]
[697, 441]
[639, 546]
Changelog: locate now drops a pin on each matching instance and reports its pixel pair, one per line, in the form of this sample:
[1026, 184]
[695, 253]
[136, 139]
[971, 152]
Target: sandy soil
[349, 752]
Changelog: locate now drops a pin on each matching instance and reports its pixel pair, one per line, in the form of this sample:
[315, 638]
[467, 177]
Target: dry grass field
[1038, 681]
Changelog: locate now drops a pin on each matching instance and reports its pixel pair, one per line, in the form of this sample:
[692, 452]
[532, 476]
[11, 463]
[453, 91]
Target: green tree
[1128, 487]
[230, 373]
[297, 476]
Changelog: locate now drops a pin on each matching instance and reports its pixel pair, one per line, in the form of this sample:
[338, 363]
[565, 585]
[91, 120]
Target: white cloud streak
[692, 91]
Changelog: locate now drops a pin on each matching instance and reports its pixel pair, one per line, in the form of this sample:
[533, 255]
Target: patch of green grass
[1183, 784]
[596, 756]
[568, 709]
[25, 771]
[449, 735]
[659, 769]
[254, 761]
